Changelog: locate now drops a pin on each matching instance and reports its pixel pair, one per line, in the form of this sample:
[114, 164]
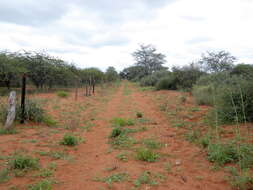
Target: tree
[10, 69]
[133, 73]
[214, 62]
[148, 58]
[111, 74]
[244, 70]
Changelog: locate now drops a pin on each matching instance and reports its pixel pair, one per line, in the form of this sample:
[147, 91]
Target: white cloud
[182, 30]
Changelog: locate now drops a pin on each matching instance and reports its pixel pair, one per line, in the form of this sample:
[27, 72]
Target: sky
[102, 33]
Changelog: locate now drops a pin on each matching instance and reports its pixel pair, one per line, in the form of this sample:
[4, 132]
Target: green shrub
[151, 80]
[231, 153]
[69, 140]
[33, 111]
[146, 155]
[23, 162]
[4, 175]
[235, 102]
[62, 94]
[139, 115]
[42, 185]
[121, 122]
[167, 83]
[116, 132]
[203, 95]
[241, 180]
[152, 143]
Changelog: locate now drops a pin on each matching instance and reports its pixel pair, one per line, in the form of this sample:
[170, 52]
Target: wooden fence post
[11, 111]
[23, 99]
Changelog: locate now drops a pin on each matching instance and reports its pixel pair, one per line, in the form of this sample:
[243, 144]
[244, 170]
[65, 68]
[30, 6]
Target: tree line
[216, 75]
[46, 71]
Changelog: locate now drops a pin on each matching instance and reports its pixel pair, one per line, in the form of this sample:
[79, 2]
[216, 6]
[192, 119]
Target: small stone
[178, 162]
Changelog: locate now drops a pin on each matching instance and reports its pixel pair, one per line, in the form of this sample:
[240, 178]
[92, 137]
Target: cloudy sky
[102, 33]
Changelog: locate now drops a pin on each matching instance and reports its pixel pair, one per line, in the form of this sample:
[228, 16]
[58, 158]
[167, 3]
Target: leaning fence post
[11, 111]
[23, 99]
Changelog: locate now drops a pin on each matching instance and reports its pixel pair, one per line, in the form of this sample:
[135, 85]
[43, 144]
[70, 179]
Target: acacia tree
[214, 62]
[111, 74]
[148, 58]
[10, 69]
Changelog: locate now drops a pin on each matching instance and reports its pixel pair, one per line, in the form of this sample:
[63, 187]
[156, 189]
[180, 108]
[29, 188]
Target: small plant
[7, 132]
[122, 156]
[33, 111]
[49, 121]
[152, 143]
[69, 140]
[193, 136]
[145, 178]
[23, 162]
[42, 185]
[4, 175]
[146, 155]
[120, 122]
[118, 177]
[240, 180]
[62, 94]
[116, 132]
[139, 115]
[182, 99]
[122, 142]
[168, 167]
[231, 153]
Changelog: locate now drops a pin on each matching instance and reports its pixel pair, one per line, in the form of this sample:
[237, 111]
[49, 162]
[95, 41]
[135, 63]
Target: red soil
[92, 158]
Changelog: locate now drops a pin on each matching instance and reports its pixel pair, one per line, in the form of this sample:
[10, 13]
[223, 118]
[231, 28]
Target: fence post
[23, 99]
[11, 110]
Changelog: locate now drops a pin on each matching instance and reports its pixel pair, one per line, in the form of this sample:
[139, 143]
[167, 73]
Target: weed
[168, 167]
[145, 178]
[193, 136]
[152, 143]
[182, 99]
[4, 175]
[42, 185]
[242, 180]
[231, 153]
[45, 172]
[115, 178]
[116, 132]
[139, 115]
[122, 141]
[146, 155]
[62, 94]
[23, 162]
[49, 121]
[122, 156]
[7, 132]
[121, 122]
[69, 140]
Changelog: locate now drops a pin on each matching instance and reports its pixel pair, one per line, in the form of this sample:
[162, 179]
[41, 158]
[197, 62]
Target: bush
[23, 162]
[121, 122]
[231, 153]
[139, 115]
[146, 155]
[69, 140]
[203, 95]
[241, 180]
[62, 94]
[33, 111]
[167, 83]
[235, 102]
[116, 132]
[42, 185]
[151, 80]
